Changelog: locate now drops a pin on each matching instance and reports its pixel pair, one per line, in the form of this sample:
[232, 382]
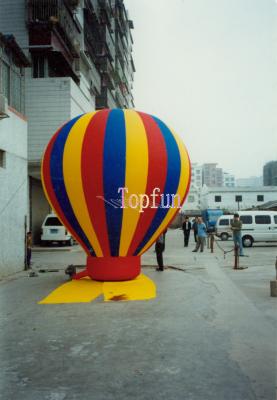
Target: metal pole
[236, 251]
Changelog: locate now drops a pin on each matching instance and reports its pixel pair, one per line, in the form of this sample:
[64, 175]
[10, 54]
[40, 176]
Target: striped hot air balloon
[115, 178]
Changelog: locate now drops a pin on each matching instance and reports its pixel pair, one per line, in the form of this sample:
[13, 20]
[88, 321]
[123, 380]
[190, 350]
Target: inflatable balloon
[115, 178]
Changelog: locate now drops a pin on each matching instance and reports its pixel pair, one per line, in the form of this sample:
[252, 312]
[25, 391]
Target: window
[275, 219]
[260, 197]
[53, 221]
[224, 222]
[6, 80]
[38, 66]
[246, 219]
[11, 81]
[217, 199]
[191, 199]
[2, 159]
[238, 198]
[262, 219]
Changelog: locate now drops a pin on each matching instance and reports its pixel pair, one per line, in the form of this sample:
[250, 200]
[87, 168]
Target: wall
[13, 20]
[249, 199]
[13, 194]
[80, 100]
[39, 207]
[50, 102]
[47, 108]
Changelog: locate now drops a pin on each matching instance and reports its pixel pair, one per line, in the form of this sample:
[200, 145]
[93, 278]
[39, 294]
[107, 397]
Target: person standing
[159, 249]
[201, 235]
[29, 249]
[194, 228]
[236, 226]
[186, 229]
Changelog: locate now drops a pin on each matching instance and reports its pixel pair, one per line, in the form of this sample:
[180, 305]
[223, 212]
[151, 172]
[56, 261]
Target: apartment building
[212, 176]
[196, 175]
[13, 157]
[228, 179]
[81, 60]
[270, 174]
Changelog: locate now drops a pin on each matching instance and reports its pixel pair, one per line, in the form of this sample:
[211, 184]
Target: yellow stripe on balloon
[183, 182]
[135, 176]
[73, 179]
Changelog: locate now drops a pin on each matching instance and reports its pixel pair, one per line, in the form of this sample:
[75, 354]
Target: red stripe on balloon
[157, 171]
[92, 176]
[50, 190]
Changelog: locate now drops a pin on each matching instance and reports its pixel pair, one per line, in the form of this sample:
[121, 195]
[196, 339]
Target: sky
[208, 69]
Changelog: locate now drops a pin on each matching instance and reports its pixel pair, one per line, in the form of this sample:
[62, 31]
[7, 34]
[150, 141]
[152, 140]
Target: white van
[223, 227]
[52, 230]
[257, 226]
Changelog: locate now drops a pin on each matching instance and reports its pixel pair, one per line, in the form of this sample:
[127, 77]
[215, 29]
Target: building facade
[196, 175]
[236, 198]
[81, 60]
[251, 181]
[212, 176]
[228, 179]
[13, 157]
[270, 174]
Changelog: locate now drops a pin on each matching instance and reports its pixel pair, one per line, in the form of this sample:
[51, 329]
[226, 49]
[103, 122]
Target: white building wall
[13, 17]
[13, 194]
[47, 108]
[80, 99]
[228, 198]
[192, 202]
[50, 102]
[196, 175]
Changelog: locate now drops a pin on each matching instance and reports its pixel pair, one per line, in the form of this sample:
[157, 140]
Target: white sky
[208, 69]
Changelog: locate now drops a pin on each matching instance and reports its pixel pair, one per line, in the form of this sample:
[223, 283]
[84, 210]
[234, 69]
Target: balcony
[106, 10]
[120, 52]
[93, 8]
[47, 16]
[120, 77]
[109, 42]
[120, 99]
[108, 73]
[106, 99]
[94, 76]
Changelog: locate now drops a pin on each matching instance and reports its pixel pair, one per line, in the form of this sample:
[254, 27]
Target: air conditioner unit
[3, 107]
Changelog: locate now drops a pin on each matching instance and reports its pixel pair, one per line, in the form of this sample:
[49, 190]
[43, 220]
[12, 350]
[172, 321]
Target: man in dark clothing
[159, 249]
[186, 229]
[195, 227]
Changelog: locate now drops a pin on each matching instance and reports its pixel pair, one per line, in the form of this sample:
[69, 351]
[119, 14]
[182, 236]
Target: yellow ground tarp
[86, 290]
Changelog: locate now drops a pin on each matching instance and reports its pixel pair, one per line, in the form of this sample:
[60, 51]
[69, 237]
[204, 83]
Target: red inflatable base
[111, 268]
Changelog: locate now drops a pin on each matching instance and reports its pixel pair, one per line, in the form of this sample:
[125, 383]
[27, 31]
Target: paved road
[209, 334]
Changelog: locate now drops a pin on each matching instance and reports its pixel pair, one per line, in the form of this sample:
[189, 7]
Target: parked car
[257, 226]
[52, 230]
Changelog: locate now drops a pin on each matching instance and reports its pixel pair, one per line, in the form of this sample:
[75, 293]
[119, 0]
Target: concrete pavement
[206, 335]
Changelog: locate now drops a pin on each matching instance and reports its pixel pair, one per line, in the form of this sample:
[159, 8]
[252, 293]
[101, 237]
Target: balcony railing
[93, 7]
[120, 99]
[57, 13]
[109, 41]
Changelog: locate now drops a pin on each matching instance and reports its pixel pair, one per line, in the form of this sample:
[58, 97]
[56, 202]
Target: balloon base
[111, 268]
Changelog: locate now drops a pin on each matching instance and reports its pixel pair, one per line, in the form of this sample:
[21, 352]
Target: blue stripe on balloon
[171, 183]
[114, 175]
[56, 173]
